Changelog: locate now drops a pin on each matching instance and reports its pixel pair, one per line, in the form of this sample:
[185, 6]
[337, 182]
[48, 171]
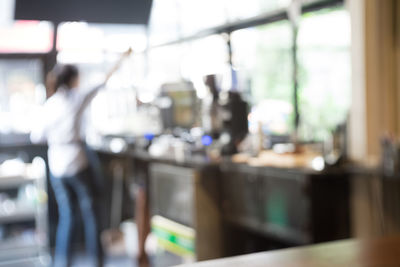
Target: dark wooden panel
[330, 200]
[288, 207]
[241, 198]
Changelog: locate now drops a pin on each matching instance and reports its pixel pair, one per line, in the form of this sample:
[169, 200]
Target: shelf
[20, 254]
[8, 182]
[280, 233]
[18, 216]
[33, 261]
[17, 244]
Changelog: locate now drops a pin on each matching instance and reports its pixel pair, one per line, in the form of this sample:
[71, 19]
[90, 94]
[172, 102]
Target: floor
[113, 261]
[161, 260]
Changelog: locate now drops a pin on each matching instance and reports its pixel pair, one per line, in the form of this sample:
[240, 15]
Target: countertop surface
[349, 253]
[203, 162]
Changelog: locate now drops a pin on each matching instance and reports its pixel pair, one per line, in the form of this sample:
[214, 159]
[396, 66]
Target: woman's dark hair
[64, 75]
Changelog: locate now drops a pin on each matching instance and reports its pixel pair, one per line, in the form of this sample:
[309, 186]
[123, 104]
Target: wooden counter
[244, 208]
[366, 253]
[258, 207]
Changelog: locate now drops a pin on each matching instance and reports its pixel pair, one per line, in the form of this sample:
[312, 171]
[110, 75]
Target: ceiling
[96, 11]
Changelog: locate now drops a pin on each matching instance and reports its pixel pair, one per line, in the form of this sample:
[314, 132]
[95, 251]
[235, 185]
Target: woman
[68, 161]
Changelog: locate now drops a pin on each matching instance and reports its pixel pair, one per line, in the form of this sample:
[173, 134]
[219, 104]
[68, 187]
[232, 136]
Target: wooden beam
[378, 95]
[397, 65]
[357, 137]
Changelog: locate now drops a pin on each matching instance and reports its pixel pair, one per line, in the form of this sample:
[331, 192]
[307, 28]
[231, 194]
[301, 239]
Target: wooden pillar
[397, 67]
[375, 108]
[357, 132]
[376, 91]
[381, 91]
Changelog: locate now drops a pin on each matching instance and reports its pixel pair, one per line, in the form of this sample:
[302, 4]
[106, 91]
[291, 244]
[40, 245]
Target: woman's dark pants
[64, 189]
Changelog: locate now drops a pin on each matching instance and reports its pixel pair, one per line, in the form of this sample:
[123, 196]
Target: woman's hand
[118, 64]
[127, 52]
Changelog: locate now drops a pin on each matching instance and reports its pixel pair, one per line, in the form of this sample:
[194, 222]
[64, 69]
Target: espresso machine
[234, 114]
[224, 116]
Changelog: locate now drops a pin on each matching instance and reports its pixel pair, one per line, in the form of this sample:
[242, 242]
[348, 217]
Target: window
[263, 60]
[164, 22]
[206, 56]
[237, 9]
[85, 37]
[175, 19]
[164, 64]
[324, 72]
[95, 47]
[189, 61]
[199, 15]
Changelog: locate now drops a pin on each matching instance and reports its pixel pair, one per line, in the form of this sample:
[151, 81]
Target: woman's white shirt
[61, 127]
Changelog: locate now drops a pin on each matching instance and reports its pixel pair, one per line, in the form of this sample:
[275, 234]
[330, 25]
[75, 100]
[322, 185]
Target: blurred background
[234, 127]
